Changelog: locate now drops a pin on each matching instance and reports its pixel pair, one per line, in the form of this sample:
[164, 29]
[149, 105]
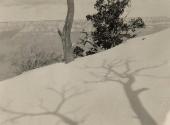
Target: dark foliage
[78, 51]
[137, 23]
[110, 27]
[91, 51]
[85, 46]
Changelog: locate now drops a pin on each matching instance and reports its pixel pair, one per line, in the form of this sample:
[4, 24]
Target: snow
[96, 98]
[167, 120]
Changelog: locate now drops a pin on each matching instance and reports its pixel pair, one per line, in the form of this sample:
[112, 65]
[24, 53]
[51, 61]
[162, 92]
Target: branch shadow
[66, 94]
[127, 79]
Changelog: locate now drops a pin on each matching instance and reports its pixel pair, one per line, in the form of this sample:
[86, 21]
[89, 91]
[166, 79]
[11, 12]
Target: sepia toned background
[125, 85]
[11, 10]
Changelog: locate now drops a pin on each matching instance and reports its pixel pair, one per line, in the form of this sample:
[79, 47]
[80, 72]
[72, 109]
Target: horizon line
[38, 20]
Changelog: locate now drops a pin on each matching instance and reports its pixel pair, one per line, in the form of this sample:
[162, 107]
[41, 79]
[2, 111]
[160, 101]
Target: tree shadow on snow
[66, 94]
[127, 78]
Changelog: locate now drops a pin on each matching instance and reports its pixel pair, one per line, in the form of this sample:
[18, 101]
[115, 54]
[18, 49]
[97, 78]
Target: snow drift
[128, 84]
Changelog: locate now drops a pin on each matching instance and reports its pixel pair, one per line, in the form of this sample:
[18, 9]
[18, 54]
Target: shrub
[110, 27]
[78, 51]
[33, 56]
[86, 46]
[137, 23]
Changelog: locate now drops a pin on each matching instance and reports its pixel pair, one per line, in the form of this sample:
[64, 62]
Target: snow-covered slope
[126, 85]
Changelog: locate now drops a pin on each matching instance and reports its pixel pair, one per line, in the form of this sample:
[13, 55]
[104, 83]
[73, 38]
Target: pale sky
[11, 10]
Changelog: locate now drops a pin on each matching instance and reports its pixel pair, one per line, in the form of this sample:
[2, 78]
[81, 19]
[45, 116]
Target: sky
[19, 10]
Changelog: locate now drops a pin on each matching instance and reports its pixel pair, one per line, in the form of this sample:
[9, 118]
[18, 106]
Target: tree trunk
[66, 34]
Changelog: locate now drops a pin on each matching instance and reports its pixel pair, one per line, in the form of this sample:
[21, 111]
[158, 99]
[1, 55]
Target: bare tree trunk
[66, 33]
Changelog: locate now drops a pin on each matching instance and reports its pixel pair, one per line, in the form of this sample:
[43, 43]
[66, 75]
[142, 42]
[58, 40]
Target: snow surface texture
[167, 120]
[126, 85]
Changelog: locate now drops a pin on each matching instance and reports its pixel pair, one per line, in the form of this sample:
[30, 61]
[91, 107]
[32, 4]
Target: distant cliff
[42, 26]
[51, 25]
